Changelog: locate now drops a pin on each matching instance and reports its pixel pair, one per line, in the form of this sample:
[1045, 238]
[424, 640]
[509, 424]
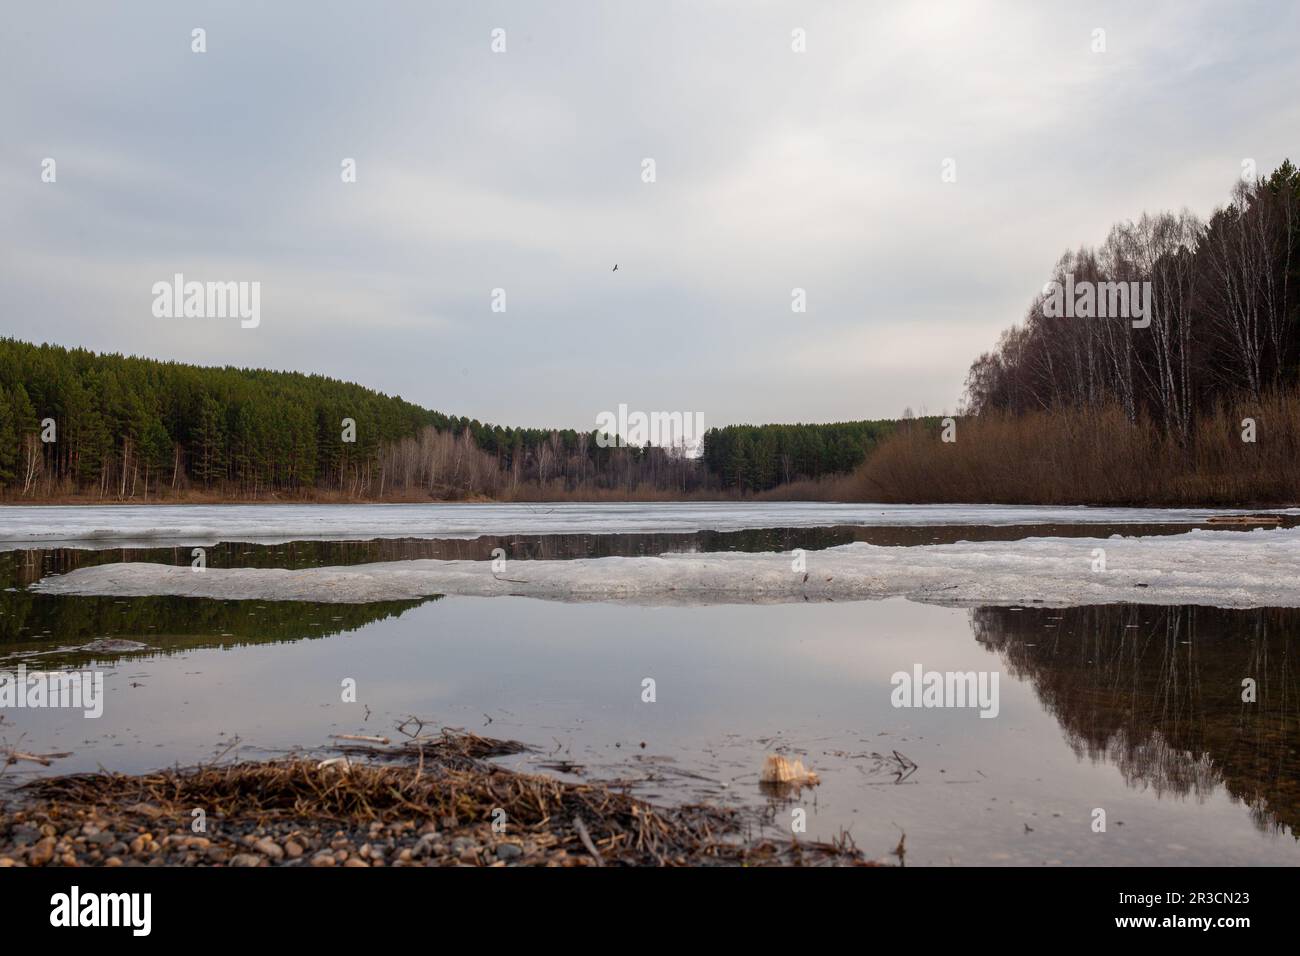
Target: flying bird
[615, 267]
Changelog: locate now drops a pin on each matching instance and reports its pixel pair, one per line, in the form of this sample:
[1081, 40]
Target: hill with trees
[77, 424]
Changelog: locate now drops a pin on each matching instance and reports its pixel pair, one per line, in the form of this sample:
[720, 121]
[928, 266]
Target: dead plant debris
[428, 799]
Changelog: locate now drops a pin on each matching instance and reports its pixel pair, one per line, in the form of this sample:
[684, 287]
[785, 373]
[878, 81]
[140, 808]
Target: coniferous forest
[113, 427]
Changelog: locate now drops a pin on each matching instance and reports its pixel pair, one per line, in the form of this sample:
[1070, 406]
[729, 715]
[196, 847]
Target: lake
[1129, 707]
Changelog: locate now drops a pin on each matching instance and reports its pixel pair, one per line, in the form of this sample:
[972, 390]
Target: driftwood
[13, 756]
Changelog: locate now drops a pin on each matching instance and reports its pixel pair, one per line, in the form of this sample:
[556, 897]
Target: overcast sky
[522, 170]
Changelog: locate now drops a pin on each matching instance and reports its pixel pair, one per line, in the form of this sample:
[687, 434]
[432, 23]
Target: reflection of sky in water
[567, 677]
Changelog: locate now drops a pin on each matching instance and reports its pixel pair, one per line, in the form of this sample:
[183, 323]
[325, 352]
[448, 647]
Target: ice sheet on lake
[115, 526]
[1224, 568]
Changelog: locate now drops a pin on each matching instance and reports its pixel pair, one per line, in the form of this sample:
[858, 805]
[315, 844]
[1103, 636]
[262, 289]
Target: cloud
[775, 170]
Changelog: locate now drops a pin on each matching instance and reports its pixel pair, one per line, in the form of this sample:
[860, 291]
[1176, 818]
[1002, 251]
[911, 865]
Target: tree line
[761, 457]
[1188, 394]
[74, 422]
[1223, 323]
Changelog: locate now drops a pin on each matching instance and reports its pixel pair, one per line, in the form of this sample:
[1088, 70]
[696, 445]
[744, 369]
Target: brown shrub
[1093, 456]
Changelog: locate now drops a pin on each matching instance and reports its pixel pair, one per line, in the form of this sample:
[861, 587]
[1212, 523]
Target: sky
[915, 168]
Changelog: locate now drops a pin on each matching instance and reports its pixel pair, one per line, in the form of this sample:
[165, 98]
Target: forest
[1195, 402]
[76, 424]
[1223, 321]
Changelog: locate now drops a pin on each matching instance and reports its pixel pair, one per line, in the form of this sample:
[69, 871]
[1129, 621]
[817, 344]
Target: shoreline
[338, 498]
[428, 800]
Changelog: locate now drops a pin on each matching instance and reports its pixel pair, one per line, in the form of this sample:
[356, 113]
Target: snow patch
[1224, 568]
[115, 526]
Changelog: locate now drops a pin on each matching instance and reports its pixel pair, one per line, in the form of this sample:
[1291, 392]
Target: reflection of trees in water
[1176, 771]
[43, 622]
[1156, 691]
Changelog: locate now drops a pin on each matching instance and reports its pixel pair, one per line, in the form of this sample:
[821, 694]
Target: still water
[1133, 710]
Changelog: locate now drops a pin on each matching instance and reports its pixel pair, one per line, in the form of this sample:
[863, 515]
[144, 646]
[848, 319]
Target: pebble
[270, 848]
[42, 852]
[138, 835]
[24, 833]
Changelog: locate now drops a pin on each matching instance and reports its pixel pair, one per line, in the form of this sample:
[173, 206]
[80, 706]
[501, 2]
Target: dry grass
[443, 779]
[1093, 456]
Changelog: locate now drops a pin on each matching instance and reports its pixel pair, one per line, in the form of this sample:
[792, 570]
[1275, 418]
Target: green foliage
[130, 417]
[759, 457]
[129, 426]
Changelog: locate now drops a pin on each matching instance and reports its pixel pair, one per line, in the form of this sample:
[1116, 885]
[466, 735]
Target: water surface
[1131, 709]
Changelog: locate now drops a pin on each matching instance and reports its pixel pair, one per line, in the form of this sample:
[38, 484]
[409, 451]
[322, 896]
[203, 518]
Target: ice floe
[115, 526]
[1224, 568]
